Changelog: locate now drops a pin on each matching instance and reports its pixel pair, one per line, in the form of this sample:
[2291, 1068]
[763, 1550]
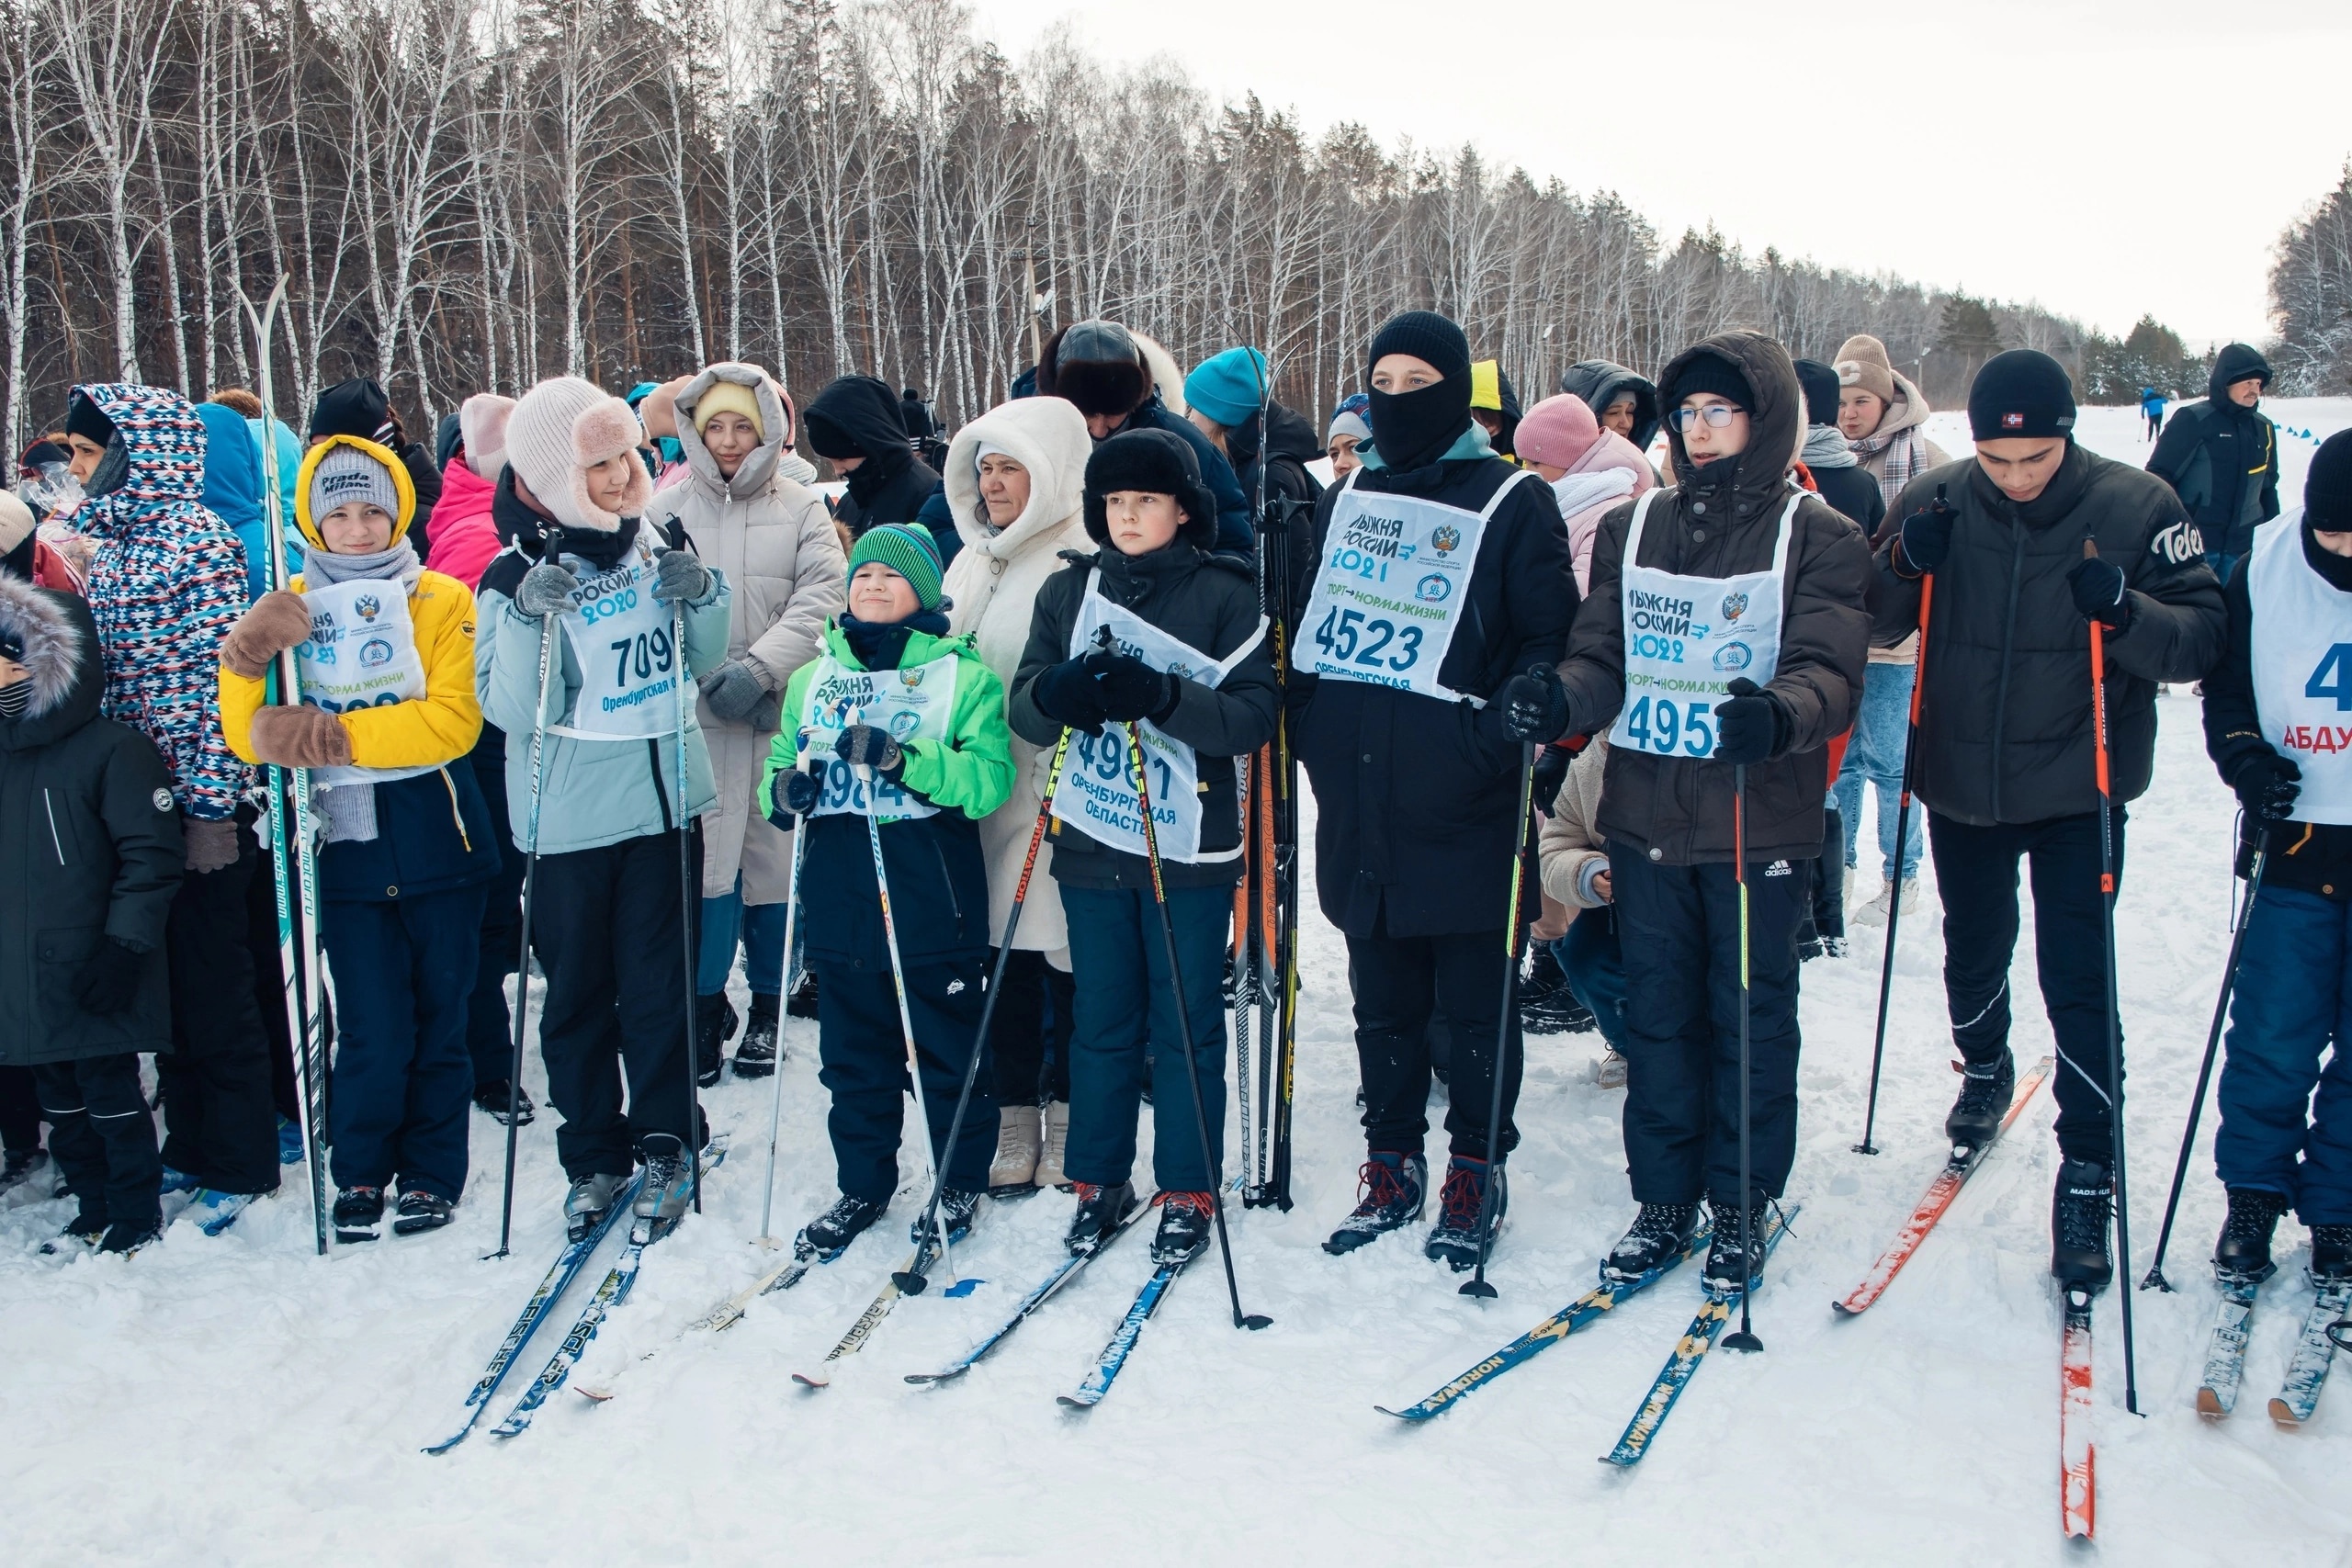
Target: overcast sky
[2106, 159]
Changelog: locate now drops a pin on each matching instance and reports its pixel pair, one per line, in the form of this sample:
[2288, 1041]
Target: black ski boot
[359, 1213]
[491, 1097]
[1546, 1003]
[1390, 1191]
[1660, 1233]
[956, 1208]
[830, 1233]
[1100, 1210]
[1184, 1222]
[1985, 1088]
[2243, 1255]
[2079, 1212]
[756, 1057]
[19, 1166]
[84, 1230]
[584, 1205]
[420, 1210]
[1733, 1262]
[1455, 1238]
[802, 1003]
[714, 1027]
[2331, 1254]
[126, 1236]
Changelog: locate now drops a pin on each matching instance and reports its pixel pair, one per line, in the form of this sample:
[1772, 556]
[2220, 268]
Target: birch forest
[464, 195]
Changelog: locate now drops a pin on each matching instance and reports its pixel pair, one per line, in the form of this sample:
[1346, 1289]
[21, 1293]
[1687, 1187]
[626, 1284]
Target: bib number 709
[1659, 723]
[1350, 637]
[648, 651]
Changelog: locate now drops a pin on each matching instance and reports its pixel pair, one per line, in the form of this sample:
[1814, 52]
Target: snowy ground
[240, 1401]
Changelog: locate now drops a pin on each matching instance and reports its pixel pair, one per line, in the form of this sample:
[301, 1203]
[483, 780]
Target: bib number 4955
[1659, 724]
[1350, 637]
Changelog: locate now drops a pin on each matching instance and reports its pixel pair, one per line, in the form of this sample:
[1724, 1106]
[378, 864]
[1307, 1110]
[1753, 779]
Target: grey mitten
[679, 577]
[734, 693]
[545, 590]
[210, 844]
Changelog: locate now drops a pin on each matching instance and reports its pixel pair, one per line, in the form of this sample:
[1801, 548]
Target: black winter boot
[1100, 1210]
[1184, 1222]
[2243, 1255]
[359, 1213]
[1985, 1088]
[829, 1233]
[2331, 1254]
[756, 1057]
[1660, 1233]
[1735, 1261]
[1390, 1190]
[1456, 1237]
[714, 1027]
[956, 1209]
[492, 1096]
[802, 1003]
[2080, 1211]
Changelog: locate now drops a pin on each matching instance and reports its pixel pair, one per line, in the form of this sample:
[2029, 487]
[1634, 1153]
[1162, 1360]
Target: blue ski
[566, 1268]
[1063, 1271]
[1696, 1341]
[1114, 1355]
[1546, 1334]
[2307, 1370]
[2217, 1393]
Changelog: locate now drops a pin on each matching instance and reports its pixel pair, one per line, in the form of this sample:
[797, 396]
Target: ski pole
[288, 796]
[1185, 1026]
[2212, 1046]
[688, 899]
[522, 961]
[912, 1282]
[932, 1163]
[791, 921]
[2114, 1001]
[1902, 839]
[1477, 1284]
[1744, 1339]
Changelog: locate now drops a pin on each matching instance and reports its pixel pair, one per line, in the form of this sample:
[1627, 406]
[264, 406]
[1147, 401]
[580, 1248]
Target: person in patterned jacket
[166, 583]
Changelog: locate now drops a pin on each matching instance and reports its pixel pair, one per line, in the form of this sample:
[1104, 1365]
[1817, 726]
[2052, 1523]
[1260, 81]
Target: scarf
[1414, 429]
[1825, 448]
[327, 568]
[1579, 491]
[880, 646]
[1905, 457]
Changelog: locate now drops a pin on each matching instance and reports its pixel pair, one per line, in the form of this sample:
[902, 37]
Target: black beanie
[2327, 489]
[1160, 462]
[1708, 372]
[86, 419]
[357, 407]
[1820, 384]
[1426, 335]
[2023, 393]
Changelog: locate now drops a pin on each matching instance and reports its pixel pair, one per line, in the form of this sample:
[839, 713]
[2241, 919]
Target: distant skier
[2222, 456]
[2152, 409]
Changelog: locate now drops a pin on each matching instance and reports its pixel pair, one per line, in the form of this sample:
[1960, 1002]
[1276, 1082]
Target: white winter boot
[1874, 912]
[1049, 1162]
[1014, 1169]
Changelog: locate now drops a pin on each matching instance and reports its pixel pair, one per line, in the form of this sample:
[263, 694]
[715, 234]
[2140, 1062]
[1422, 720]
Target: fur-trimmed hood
[1046, 436]
[60, 646]
[758, 472]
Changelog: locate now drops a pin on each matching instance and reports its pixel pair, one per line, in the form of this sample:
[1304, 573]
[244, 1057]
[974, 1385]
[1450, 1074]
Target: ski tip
[2209, 1403]
[1845, 1309]
[812, 1380]
[1412, 1416]
[2284, 1415]
[593, 1396]
[926, 1380]
[1073, 1401]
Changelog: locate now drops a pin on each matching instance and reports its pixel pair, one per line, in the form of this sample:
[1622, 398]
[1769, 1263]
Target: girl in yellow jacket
[385, 657]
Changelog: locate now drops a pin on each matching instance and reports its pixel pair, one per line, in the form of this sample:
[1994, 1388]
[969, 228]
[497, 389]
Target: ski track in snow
[240, 1401]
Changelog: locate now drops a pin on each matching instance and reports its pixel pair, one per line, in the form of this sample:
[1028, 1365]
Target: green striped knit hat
[909, 551]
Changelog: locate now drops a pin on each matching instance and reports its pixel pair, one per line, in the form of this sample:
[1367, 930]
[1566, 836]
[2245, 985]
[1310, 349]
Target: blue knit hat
[910, 551]
[1228, 387]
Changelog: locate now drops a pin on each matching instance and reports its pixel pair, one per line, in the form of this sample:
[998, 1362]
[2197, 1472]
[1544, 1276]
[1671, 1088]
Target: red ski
[2078, 1492]
[1932, 1204]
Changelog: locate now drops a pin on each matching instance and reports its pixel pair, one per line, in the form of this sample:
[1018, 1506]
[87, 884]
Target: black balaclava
[1412, 430]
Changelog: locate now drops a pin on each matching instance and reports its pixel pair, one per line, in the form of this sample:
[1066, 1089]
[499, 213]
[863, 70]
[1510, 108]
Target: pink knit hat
[1556, 432]
[563, 427]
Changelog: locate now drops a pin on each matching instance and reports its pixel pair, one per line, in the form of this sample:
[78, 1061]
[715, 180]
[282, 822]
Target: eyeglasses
[1717, 415]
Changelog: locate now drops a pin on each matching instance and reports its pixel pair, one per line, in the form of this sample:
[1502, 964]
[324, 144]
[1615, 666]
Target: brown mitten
[277, 621]
[301, 737]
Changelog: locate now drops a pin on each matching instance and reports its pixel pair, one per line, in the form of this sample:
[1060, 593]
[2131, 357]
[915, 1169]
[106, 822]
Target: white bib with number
[911, 705]
[2300, 648]
[625, 641]
[1390, 589]
[361, 654]
[1097, 794]
[1687, 639]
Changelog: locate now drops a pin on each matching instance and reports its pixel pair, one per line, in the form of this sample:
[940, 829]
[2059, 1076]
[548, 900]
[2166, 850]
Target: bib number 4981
[1351, 637]
[1660, 724]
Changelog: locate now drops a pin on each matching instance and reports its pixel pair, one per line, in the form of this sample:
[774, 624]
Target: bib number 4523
[1660, 724]
[1350, 637]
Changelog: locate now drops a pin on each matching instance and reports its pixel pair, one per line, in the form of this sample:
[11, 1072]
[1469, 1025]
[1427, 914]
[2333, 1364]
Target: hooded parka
[1723, 521]
[992, 585]
[2223, 459]
[90, 846]
[773, 540]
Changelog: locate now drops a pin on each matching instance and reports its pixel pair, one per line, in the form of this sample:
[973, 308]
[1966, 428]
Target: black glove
[1925, 535]
[864, 745]
[2099, 592]
[1749, 728]
[1534, 706]
[109, 979]
[2267, 785]
[1069, 695]
[1129, 688]
[1551, 773]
